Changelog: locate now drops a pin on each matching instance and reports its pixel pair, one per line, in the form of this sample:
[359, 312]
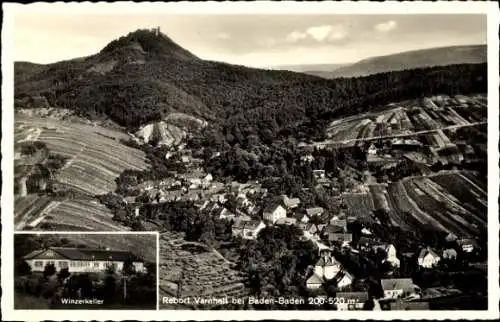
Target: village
[347, 233]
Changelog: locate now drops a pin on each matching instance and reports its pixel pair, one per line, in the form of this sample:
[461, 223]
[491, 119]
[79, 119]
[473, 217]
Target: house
[318, 174]
[303, 218]
[129, 200]
[342, 223]
[252, 228]
[409, 305]
[314, 282]
[311, 231]
[343, 279]
[428, 258]
[207, 179]
[450, 254]
[82, 260]
[308, 158]
[224, 213]
[290, 203]
[468, 245]
[342, 238]
[351, 301]
[274, 212]
[237, 228]
[316, 211]
[286, 221]
[397, 287]
[372, 150]
[327, 267]
[391, 252]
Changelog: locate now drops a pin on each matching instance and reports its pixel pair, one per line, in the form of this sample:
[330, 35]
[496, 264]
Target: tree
[63, 273]
[128, 267]
[22, 268]
[49, 270]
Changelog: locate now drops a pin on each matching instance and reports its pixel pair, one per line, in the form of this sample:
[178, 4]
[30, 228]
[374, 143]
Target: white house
[81, 260]
[343, 279]
[391, 254]
[314, 282]
[351, 301]
[327, 267]
[274, 212]
[428, 258]
[372, 150]
[247, 229]
[397, 287]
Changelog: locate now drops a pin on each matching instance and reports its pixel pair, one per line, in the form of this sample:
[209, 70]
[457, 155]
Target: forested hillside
[142, 77]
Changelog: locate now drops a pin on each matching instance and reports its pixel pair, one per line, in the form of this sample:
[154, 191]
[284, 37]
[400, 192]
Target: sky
[256, 40]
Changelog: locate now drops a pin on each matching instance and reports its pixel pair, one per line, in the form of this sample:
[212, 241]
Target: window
[96, 264]
[38, 263]
[72, 264]
[63, 264]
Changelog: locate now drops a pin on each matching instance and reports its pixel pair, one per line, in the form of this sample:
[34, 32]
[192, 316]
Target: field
[451, 201]
[407, 118]
[46, 213]
[96, 157]
[187, 272]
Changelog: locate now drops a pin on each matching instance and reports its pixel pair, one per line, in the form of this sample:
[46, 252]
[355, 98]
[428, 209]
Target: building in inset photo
[85, 271]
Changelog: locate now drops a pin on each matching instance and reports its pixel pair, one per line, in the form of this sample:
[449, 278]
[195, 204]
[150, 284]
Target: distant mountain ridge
[143, 77]
[442, 56]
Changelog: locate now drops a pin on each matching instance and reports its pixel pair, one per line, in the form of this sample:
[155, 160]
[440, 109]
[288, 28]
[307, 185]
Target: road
[372, 138]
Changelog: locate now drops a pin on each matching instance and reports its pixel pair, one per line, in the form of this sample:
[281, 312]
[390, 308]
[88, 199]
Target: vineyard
[452, 202]
[96, 156]
[409, 117]
[46, 213]
[195, 273]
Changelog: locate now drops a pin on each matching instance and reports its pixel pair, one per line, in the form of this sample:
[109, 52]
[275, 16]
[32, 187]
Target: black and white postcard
[250, 160]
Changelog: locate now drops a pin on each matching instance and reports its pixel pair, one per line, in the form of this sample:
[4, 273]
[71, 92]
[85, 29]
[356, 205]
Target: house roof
[331, 229]
[340, 237]
[360, 297]
[87, 254]
[290, 202]
[314, 211]
[272, 207]
[314, 279]
[343, 274]
[410, 305]
[338, 222]
[253, 224]
[427, 251]
[326, 261]
[405, 284]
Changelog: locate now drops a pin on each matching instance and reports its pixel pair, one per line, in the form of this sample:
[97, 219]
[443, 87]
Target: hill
[473, 54]
[145, 76]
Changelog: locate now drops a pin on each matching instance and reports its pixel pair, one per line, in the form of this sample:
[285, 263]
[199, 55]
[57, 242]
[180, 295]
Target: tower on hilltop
[157, 31]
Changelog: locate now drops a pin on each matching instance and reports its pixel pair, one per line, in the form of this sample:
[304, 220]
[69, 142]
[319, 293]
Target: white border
[263, 7]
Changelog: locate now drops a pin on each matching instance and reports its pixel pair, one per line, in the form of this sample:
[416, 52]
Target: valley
[261, 183]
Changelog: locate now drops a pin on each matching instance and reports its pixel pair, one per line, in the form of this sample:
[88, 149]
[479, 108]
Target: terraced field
[96, 155]
[406, 118]
[37, 212]
[186, 273]
[448, 201]
[359, 205]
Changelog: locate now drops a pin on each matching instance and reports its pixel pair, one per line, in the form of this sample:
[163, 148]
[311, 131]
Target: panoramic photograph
[85, 271]
[288, 162]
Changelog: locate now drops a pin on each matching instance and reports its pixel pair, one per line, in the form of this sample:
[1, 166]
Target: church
[82, 260]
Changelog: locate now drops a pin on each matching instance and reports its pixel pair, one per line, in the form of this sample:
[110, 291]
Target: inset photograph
[85, 271]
